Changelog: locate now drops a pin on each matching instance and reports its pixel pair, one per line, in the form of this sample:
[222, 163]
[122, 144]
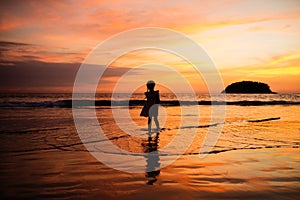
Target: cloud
[63, 24]
[236, 33]
[46, 76]
[9, 44]
[281, 72]
[275, 63]
[16, 51]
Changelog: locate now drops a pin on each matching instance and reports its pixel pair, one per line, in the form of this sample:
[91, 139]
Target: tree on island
[248, 87]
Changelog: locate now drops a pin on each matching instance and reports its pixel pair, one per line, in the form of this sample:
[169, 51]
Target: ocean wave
[99, 103]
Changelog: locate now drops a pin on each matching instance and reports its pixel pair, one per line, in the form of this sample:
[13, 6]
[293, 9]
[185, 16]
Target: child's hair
[150, 85]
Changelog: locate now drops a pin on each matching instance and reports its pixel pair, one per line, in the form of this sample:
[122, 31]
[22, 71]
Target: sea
[213, 146]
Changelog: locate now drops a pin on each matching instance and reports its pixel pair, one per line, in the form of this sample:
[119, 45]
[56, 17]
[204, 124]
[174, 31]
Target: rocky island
[248, 87]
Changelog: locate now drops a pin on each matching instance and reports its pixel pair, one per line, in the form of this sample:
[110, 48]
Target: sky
[43, 43]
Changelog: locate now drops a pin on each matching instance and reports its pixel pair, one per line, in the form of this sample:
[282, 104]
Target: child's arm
[157, 97]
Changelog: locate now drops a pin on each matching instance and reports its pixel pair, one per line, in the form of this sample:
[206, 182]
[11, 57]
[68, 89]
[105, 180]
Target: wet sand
[255, 174]
[42, 157]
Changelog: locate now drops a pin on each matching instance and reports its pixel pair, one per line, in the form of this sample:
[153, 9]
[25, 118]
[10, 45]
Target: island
[248, 87]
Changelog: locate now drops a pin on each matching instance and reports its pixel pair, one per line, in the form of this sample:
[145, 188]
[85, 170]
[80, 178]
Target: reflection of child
[152, 160]
[150, 108]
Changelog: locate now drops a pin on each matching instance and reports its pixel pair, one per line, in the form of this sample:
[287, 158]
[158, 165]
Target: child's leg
[156, 122]
[149, 124]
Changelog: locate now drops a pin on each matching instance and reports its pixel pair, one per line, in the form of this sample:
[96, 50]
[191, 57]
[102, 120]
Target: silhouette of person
[150, 108]
[152, 160]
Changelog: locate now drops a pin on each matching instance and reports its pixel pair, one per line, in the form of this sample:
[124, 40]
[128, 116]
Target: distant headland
[248, 87]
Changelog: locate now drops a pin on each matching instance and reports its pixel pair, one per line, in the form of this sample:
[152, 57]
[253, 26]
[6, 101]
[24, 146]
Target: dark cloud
[10, 44]
[39, 76]
[6, 46]
[21, 52]
[13, 51]
[34, 74]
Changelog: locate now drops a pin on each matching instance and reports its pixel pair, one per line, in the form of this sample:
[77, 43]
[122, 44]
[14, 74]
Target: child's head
[150, 85]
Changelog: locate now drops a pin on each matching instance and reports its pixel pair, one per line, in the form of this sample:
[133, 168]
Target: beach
[80, 82]
[256, 155]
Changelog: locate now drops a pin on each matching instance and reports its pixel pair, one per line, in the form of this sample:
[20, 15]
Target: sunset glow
[43, 43]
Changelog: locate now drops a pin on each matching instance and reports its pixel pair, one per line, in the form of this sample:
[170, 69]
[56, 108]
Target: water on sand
[43, 157]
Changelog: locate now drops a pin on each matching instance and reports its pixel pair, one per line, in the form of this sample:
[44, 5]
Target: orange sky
[44, 42]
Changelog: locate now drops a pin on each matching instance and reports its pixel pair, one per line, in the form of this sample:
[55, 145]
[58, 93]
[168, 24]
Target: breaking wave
[98, 103]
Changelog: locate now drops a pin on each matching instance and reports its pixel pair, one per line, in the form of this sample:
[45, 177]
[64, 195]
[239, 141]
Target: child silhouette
[150, 108]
